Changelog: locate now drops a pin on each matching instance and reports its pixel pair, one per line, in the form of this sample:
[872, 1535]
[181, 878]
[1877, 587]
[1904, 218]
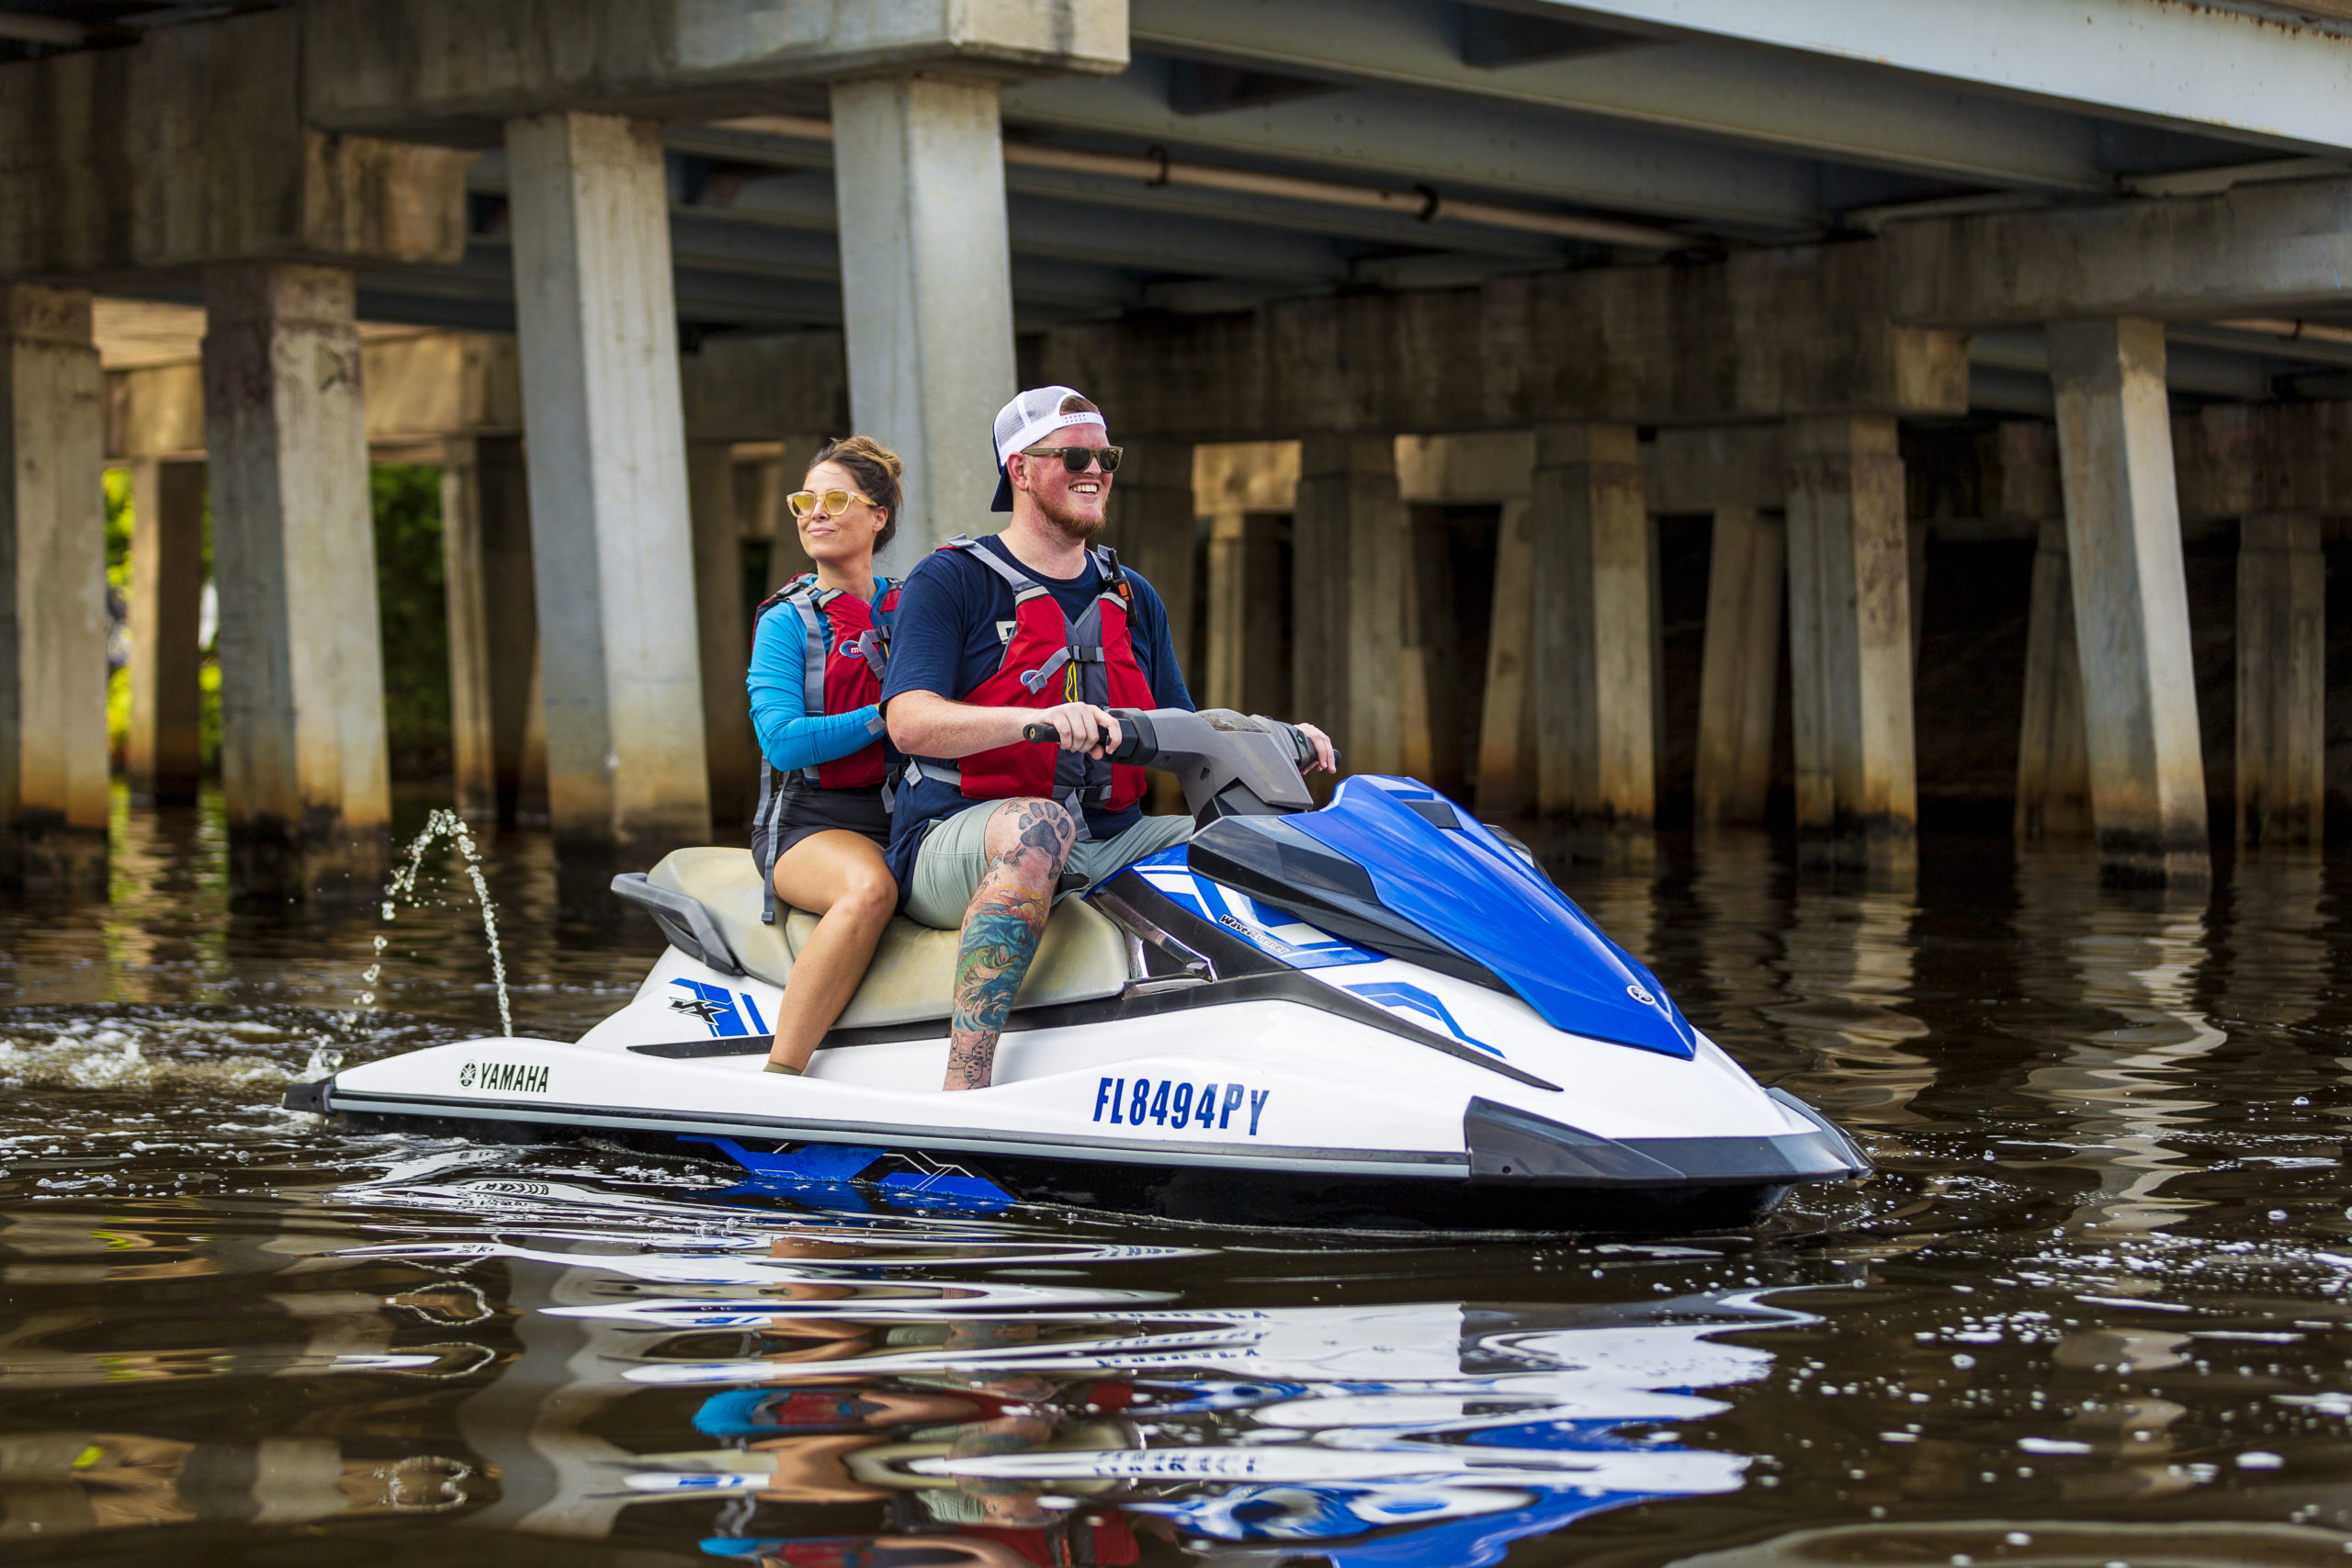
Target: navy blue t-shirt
[945, 640]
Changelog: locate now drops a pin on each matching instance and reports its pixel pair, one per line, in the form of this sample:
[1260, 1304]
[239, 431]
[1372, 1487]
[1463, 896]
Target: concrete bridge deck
[1842, 280]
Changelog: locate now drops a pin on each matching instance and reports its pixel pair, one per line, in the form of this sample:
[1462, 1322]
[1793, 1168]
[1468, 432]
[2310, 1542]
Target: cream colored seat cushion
[1082, 957]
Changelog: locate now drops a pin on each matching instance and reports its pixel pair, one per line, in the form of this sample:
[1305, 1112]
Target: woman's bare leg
[840, 877]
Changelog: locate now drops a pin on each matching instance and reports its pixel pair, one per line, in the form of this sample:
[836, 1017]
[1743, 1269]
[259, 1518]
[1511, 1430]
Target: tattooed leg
[1027, 841]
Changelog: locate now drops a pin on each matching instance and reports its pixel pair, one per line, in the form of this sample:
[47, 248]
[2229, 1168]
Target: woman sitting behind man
[818, 650]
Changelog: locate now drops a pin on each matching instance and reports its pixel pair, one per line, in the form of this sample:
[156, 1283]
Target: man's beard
[1073, 525]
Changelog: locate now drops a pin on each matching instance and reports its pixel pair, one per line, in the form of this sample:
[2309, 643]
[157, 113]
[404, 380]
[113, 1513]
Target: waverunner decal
[904, 1176]
[1278, 935]
[1395, 994]
[715, 1005]
[1170, 1103]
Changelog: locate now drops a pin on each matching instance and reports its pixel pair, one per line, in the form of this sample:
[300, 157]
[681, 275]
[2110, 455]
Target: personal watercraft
[1378, 1014]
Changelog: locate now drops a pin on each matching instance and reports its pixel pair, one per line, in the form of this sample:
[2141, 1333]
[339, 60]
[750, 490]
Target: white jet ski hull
[1367, 1094]
[1375, 1013]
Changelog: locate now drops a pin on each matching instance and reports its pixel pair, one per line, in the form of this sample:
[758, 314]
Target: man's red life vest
[845, 655]
[1050, 659]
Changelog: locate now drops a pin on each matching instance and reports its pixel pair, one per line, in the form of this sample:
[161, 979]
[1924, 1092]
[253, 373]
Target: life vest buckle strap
[1035, 679]
[918, 770]
[1072, 799]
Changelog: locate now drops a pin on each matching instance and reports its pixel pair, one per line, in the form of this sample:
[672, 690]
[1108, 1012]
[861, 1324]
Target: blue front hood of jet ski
[1437, 869]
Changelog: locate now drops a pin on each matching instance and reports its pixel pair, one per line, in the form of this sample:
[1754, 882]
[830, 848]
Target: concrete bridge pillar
[1739, 675]
[1916, 557]
[613, 552]
[52, 594]
[1595, 642]
[726, 639]
[1850, 643]
[302, 755]
[163, 750]
[2053, 768]
[1155, 529]
[1429, 692]
[1505, 781]
[2147, 774]
[493, 625]
[760, 489]
[471, 749]
[2282, 671]
[1242, 669]
[1244, 490]
[1350, 538]
[926, 290]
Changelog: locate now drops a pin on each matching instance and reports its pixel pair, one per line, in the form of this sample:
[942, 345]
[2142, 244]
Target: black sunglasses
[1078, 459]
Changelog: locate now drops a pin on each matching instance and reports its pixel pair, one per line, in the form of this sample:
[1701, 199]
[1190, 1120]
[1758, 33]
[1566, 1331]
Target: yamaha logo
[505, 1077]
[1640, 995]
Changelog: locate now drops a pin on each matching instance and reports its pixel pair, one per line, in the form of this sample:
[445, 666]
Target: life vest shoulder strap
[1106, 561]
[780, 595]
[1024, 587]
[801, 595]
[1116, 586]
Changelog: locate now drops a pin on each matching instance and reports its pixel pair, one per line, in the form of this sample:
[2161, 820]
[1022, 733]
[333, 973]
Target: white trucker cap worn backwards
[1030, 415]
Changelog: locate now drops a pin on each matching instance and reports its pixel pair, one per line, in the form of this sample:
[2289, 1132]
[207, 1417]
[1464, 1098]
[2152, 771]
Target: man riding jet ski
[1029, 634]
[1379, 1013]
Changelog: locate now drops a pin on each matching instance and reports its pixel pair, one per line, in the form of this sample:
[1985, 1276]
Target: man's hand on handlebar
[1327, 761]
[1081, 727]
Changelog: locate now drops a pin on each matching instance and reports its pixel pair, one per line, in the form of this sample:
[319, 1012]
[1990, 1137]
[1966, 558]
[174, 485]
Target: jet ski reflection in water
[929, 1390]
[1400, 1436]
[1377, 1013]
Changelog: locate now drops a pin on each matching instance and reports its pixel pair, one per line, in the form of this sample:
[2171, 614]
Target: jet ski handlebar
[1231, 765]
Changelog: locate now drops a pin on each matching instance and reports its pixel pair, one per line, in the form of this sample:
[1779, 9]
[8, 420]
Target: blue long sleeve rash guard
[790, 736]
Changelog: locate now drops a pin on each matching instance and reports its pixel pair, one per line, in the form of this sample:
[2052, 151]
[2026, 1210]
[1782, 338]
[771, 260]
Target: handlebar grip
[1134, 746]
[1302, 748]
[1046, 735]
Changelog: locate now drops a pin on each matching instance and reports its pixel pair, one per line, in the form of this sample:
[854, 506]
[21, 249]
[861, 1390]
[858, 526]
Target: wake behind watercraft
[1376, 1014]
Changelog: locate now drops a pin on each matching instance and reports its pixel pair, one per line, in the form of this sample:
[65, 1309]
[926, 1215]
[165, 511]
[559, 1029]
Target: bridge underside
[1420, 316]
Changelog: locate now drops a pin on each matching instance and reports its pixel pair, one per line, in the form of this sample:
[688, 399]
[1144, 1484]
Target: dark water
[2091, 1311]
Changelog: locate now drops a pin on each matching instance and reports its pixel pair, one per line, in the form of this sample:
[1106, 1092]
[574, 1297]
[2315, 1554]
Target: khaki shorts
[954, 853]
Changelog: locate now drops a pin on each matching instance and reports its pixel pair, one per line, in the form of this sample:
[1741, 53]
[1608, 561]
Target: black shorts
[807, 810]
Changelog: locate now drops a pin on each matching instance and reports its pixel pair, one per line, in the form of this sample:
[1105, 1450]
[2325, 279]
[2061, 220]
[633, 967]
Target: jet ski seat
[1082, 957]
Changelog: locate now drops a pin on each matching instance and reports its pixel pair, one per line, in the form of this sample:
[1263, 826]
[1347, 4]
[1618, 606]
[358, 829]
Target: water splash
[442, 824]
[108, 1057]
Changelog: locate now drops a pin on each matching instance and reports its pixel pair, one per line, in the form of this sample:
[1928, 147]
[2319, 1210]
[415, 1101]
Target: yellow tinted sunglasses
[807, 502]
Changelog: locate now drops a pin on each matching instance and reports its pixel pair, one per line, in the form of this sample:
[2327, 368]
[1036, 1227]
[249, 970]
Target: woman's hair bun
[877, 470]
[868, 448]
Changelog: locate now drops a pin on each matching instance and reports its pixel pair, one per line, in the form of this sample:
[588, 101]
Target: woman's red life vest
[844, 655]
[1050, 659]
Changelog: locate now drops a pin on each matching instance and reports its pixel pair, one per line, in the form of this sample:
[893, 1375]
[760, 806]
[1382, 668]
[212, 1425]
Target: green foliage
[118, 484]
[117, 714]
[207, 698]
[118, 492]
[411, 600]
[121, 519]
